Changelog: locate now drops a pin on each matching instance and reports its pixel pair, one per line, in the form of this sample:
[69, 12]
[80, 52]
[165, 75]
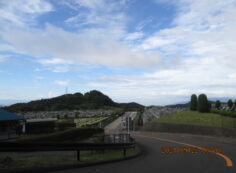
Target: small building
[9, 123]
[38, 126]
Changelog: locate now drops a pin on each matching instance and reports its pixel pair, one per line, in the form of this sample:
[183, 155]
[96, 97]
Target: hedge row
[224, 113]
[63, 125]
[74, 134]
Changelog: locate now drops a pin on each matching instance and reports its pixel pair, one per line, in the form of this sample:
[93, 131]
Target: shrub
[224, 113]
[67, 135]
[65, 124]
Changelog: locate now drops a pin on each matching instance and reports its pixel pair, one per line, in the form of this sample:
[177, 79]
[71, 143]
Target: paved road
[118, 124]
[154, 161]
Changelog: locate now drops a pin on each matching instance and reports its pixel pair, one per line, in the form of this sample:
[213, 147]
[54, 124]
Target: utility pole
[128, 124]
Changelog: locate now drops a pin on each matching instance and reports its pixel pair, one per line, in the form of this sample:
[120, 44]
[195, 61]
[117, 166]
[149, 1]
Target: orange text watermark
[193, 150]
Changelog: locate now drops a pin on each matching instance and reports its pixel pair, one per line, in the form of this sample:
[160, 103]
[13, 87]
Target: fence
[65, 146]
[8, 135]
[118, 138]
[228, 122]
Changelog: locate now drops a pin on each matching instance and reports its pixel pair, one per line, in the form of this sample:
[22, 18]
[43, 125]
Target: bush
[62, 125]
[224, 113]
[67, 135]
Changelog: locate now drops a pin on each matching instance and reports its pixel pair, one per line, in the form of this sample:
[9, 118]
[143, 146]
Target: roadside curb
[71, 166]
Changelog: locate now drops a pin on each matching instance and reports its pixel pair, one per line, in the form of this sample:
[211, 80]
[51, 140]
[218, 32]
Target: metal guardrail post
[124, 152]
[78, 155]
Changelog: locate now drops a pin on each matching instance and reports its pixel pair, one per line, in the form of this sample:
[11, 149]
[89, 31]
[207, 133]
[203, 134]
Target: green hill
[90, 100]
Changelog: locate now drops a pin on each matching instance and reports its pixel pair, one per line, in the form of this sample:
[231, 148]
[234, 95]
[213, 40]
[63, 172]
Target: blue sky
[150, 51]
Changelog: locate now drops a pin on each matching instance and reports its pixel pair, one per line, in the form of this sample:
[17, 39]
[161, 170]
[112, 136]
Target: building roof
[8, 116]
[40, 120]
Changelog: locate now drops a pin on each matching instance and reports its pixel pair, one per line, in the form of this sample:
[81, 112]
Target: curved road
[154, 160]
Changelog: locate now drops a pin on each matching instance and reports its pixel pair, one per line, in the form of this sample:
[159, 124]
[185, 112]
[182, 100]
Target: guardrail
[8, 135]
[63, 146]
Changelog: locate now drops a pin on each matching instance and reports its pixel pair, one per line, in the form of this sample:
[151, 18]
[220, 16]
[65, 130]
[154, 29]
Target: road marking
[229, 162]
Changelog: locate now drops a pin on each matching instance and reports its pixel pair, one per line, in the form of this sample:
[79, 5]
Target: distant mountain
[90, 100]
[222, 99]
[181, 105]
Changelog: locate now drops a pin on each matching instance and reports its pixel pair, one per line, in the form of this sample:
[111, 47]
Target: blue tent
[8, 116]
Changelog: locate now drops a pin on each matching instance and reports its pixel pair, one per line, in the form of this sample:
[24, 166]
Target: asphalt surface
[153, 160]
[118, 125]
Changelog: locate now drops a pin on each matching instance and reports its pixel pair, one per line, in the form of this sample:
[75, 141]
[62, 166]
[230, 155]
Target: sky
[154, 52]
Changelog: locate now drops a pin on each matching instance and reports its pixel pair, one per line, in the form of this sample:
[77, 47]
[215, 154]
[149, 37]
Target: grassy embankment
[89, 121]
[197, 118]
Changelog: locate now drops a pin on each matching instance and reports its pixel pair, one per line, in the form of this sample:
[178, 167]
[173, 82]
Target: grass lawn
[196, 118]
[45, 159]
[89, 121]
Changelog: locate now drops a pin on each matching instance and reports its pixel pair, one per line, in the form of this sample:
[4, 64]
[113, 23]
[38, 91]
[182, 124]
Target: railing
[64, 146]
[8, 135]
[118, 138]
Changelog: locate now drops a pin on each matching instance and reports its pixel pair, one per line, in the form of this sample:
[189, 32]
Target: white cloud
[134, 36]
[170, 86]
[3, 58]
[98, 45]
[204, 29]
[196, 54]
[21, 11]
[87, 47]
[106, 15]
[54, 61]
[62, 82]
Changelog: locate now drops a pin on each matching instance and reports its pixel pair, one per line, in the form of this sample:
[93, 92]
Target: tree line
[91, 100]
[202, 104]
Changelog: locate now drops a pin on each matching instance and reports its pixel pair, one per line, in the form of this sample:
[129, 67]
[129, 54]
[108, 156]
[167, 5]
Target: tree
[203, 105]
[209, 105]
[218, 104]
[230, 103]
[193, 103]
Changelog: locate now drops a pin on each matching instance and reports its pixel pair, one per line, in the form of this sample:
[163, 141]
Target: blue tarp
[8, 116]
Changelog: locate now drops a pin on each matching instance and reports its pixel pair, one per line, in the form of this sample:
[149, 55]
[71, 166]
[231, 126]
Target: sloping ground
[196, 118]
[188, 129]
[153, 112]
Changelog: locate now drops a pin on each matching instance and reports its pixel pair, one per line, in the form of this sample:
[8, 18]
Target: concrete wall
[191, 129]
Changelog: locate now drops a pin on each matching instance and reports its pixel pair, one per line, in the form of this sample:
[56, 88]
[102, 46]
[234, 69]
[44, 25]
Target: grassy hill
[196, 118]
[90, 100]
